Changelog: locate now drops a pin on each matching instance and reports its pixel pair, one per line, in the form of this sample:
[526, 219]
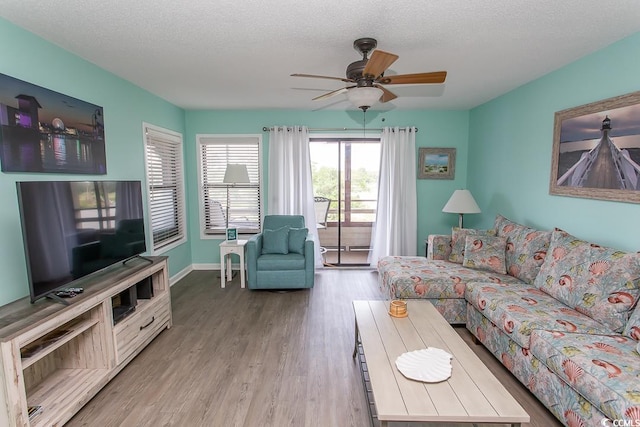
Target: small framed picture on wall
[436, 163]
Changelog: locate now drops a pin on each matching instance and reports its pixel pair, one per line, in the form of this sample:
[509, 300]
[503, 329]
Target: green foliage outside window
[363, 187]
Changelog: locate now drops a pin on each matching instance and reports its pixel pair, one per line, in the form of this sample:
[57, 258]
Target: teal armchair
[282, 256]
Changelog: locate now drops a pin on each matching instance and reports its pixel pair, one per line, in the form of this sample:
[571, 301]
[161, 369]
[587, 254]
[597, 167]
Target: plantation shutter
[166, 189]
[241, 201]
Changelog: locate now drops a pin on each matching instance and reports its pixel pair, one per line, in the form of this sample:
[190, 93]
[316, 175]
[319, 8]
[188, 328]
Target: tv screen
[74, 228]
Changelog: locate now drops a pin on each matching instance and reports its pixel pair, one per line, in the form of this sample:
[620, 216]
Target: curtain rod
[266, 129]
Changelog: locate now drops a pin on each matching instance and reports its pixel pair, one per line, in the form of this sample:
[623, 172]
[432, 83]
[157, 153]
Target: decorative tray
[430, 365]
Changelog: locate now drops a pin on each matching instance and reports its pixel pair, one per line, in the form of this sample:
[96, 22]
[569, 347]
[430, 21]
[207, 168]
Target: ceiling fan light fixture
[365, 77]
[364, 97]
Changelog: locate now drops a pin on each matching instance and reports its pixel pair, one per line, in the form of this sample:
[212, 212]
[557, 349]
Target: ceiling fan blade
[379, 61]
[342, 79]
[332, 93]
[387, 95]
[418, 78]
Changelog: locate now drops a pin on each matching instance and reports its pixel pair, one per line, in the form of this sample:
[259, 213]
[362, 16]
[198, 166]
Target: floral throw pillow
[485, 253]
[601, 282]
[458, 240]
[526, 248]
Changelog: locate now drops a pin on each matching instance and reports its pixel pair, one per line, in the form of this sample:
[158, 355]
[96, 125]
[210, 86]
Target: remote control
[66, 294]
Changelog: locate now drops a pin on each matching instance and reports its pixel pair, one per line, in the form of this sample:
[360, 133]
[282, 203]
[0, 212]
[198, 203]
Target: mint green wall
[436, 129]
[28, 57]
[510, 141]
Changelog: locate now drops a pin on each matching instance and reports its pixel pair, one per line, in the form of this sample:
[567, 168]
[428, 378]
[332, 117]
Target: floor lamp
[234, 174]
[461, 202]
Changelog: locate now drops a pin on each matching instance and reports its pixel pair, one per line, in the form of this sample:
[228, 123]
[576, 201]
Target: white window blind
[163, 151]
[240, 202]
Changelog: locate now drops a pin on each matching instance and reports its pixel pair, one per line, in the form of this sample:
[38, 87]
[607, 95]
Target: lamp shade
[236, 174]
[364, 97]
[461, 202]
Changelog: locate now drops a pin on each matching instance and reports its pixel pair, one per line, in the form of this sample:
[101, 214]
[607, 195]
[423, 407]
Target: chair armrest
[309, 260]
[253, 249]
[439, 246]
[309, 249]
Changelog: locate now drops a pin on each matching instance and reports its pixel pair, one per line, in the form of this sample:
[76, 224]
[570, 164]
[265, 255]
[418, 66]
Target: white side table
[226, 249]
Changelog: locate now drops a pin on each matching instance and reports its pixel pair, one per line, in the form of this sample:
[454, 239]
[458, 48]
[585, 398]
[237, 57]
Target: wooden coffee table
[471, 395]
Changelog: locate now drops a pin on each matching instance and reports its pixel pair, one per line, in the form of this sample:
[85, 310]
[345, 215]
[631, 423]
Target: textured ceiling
[238, 54]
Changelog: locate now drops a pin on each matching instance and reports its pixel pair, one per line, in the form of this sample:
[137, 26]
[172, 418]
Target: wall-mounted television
[72, 229]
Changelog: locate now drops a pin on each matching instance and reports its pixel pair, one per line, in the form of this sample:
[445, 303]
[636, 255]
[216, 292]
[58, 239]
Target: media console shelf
[55, 358]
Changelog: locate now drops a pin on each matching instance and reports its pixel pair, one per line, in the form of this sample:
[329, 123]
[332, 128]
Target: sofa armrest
[439, 246]
[253, 249]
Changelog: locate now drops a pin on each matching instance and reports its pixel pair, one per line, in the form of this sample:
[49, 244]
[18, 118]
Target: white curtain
[290, 184]
[395, 230]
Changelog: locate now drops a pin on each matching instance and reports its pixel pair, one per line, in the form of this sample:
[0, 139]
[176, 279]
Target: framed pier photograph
[596, 150]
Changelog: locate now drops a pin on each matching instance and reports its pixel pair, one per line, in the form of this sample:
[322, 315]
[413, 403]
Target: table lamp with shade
[461, 202]
[234, 174]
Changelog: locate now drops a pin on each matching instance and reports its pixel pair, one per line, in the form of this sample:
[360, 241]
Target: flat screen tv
[72, 229]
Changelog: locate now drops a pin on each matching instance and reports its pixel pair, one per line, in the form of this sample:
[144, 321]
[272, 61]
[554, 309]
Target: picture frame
[596, 150]
[43, 131]
[436, 163]
[232, 234]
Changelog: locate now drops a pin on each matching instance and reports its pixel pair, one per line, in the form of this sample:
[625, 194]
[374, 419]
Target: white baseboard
[214, 266]
[194, 267]
[208, 266]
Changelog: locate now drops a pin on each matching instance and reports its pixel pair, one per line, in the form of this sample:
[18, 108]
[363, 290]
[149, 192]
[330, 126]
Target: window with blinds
[237, 205]
[165, 179]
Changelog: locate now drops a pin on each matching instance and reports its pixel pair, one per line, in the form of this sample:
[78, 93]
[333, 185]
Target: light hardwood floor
[236, 357]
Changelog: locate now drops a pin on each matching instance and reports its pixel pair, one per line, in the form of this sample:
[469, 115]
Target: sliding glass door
[345, 176]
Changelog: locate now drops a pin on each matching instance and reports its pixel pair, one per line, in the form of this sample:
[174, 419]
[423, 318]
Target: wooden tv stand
[59, 356]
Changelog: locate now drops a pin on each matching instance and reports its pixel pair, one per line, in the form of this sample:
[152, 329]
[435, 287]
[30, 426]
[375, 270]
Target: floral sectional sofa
[442, 277]
[559, 312]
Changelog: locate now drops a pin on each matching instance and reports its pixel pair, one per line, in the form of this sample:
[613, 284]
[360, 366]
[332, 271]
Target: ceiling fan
[366, 76]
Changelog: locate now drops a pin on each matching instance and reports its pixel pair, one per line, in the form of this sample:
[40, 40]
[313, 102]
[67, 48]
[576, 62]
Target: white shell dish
[430, 365]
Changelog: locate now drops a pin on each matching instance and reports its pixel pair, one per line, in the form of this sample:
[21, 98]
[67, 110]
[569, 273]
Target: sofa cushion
[297, 237]
[598, 281]
[418, 277]
[274, 262]
[519, 309]
[602, 368]
[632, 328]
[458, 240]
[275, 241]
[485, 253]
[526, 248]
